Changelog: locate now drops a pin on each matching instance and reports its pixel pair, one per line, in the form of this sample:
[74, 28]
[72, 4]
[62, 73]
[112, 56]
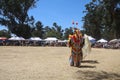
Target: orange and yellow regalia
[76, 43]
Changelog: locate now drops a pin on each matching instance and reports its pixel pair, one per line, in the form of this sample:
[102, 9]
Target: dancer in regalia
[76, 42]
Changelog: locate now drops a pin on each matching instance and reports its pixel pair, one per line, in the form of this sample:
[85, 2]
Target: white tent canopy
[91, 38]
[102, 40]
[62, 40]
[51, 39]
[113, 40]
[16, 38]
[65, 40]
[3, 38]
[35, 38]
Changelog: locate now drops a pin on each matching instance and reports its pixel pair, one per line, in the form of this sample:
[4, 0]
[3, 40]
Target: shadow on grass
[93, 75]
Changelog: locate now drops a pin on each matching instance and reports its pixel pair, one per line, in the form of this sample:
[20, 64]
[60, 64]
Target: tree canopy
[14, 15]
[38, 30]
[5, 33]
[54, 31]
[102, 19]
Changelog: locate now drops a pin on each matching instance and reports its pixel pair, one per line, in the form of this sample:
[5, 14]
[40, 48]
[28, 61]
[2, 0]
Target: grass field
[51, 63]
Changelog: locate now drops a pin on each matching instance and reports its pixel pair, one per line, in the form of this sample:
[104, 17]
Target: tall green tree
[112, 18]
[92, 20]
[14, 15]
[54, 31]
[5, 33]
[67, 32]
[117, 21]
[49, 32]
[58, 31]
[38, 30]
[102, 19]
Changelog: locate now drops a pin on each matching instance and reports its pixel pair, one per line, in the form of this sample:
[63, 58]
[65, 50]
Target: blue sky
[63, 12]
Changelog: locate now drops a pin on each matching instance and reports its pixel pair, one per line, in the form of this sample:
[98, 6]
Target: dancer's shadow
[96, 75]
[87, 66]
[90, 61]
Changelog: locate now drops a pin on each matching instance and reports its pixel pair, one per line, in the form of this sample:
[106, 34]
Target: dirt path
[51, 63]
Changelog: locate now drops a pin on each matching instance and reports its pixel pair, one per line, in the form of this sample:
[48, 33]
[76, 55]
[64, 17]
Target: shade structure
[51, 39]
[35, 38]
[113, 40]
[102, 40]
[62, 40]
[16, 38]
[3, 38]
[91, 38]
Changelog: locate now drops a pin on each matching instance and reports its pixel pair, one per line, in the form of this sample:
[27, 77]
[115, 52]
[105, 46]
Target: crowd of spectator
[115, 44]
[31, 43]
